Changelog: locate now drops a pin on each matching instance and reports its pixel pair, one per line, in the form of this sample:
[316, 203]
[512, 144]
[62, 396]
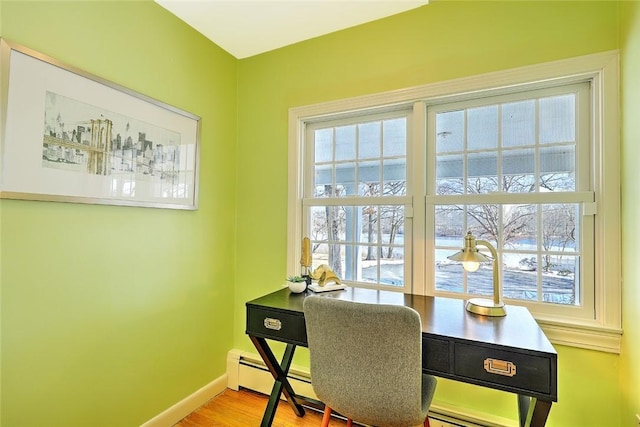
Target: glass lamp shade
[471, 266]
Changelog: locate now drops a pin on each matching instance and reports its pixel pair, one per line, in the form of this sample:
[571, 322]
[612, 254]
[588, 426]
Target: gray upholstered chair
[366, 362]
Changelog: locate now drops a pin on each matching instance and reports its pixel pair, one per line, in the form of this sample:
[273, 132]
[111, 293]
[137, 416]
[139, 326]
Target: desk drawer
[276, 325]
[435, 355]
[518, 370]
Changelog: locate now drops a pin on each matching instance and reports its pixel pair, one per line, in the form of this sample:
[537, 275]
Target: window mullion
[513, 198]
[356, 201]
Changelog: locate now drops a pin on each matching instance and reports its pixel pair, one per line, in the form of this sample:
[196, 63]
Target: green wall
[630, 66]
[440, 41]
[110, 315]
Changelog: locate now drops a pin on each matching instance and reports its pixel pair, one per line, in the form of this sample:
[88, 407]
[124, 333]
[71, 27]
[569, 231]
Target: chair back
[366, 360]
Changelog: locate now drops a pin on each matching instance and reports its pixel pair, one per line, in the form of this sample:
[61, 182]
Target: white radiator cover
[247, 370]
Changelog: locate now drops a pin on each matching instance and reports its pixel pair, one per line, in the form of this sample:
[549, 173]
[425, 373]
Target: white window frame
[601, 332]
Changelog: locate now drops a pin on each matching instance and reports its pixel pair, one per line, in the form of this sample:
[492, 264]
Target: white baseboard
[247, 370]
[175, 413]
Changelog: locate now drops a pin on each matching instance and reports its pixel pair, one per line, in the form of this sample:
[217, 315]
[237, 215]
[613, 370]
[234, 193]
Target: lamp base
[485, 307]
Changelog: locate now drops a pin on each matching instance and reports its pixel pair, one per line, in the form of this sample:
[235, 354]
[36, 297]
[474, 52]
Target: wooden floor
[244, 408]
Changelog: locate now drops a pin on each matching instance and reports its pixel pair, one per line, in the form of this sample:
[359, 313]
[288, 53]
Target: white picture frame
[70, 136]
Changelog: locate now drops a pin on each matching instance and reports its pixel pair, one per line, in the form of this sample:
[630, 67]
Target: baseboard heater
[247, 370]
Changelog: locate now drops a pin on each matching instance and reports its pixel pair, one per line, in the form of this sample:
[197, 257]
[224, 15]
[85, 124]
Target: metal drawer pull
[271, 323]
[499, 367]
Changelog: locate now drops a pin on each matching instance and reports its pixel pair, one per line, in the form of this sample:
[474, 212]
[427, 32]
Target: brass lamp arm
[496, 269]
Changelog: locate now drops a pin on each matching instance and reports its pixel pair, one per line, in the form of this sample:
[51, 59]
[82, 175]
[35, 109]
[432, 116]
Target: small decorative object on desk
[306, 259]
[324, 274]
[297, 284]
[327, 280]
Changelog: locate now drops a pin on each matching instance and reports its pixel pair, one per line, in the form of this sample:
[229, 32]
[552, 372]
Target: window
[514, 170]
[387, 185]
[354, 203]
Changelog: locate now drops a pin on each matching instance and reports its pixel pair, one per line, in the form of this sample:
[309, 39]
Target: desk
[505, 353]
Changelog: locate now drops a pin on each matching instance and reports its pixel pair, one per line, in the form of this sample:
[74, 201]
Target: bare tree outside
[559, 229]
[393, 216]
[370, 217]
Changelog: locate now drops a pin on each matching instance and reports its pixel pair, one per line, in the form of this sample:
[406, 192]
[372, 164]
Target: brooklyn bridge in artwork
[82, 138]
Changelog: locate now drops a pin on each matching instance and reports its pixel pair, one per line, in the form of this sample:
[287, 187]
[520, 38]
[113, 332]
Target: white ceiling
[248, 27]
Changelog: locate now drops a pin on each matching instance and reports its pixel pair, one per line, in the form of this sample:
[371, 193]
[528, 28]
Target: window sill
[587, 337]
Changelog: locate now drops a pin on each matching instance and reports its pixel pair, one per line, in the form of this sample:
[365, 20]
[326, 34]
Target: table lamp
[471, 258]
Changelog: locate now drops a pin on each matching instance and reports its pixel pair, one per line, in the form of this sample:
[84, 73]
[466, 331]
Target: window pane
[328, 223]
[483, 222]
[323, 143]
[519, 226]
[394, 135]
[369, 176]
[346, 178]
[483, 173]
[519, 276]
[450, 131]
[482, 128]
[557, 168]
[328, 191]
[519, 162]
[449, 166]
[480, 185]
[449, 228]
[369, 140]
[449, 174]
[559, 227]
[519, 171]
[449, 186]
[391, 226]
[323, 180]
[518, 123]
[519, 183]
[558, 119]
[395, 177]
[369, 189]
[448, 274]
[346, 143]
[559, 286]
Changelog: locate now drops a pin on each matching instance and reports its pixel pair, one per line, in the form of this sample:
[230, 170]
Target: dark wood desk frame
[505, 353]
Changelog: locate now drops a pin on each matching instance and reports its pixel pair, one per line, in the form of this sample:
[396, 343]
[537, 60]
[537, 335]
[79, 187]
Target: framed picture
[69, 136]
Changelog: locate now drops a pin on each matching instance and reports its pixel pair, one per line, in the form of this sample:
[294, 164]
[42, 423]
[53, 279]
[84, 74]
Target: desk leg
[533, 412]
[281, 385]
